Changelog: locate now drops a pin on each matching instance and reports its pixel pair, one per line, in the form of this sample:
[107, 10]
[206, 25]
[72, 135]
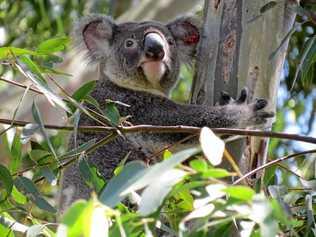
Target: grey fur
[120, 80]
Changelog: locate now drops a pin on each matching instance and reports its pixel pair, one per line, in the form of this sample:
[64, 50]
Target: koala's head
[140, 55]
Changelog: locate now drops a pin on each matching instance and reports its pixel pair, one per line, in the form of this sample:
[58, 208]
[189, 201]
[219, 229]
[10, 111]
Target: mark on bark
[229, 48]
[252, 79]
[216, 4]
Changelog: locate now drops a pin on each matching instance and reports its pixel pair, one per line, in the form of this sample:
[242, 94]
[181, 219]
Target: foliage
[185, 194]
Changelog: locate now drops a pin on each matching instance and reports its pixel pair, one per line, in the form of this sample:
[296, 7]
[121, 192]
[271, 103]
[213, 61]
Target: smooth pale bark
[241, 41]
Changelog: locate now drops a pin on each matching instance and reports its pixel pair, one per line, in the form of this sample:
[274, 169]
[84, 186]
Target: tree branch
[171, 129]
[274, 162]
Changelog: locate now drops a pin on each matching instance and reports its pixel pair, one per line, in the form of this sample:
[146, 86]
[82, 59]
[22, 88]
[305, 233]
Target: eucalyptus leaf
[240, 192]
[16, 154]
[6, 183]
[216, 173]
[28, 131]
[78, 219]
[27, 187]
[38, 119]
[153, 173]
[41, 84]
[212, 146]
[83, 147]
[112, 113]
[198, 165]
[6, 52]
[34, 231]
[18, 196]
[53, 45]
[49, 175]
[84, 91]
[110, 196]
[160, 188]
[91, 174]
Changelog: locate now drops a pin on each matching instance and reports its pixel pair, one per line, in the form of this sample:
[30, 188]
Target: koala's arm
[151, 109]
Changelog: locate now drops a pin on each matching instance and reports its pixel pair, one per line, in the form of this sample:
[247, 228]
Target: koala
[139, 64]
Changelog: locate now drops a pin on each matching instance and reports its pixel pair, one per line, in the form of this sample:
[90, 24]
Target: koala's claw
[225, 98]
[243, 96]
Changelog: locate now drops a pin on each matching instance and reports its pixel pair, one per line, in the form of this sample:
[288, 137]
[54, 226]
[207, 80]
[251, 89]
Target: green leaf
[76, 120]
[212, 146]
[160, 187]
[38, 119]
[167, 154]
[84, 91]
[6, 52]
[16, 154]
[49, 175]
[90, 100]
[91, 175]
[34, 68]
[154, 172]
[110, 196]
[240, 192]
[81, 148]
[78, 218]
[53, 45]
[40, 82]
[6, 183]
[28, 131]
[8, 222]
[184, 199]
[216, 173]
[112, 113]
[121, 165]
[198, 165]
[37, 154]
[18, 196]
[27, 187]
[34, 231]
[307, 59]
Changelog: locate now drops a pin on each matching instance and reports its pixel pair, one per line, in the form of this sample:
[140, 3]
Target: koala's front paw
[259, 116]
[246, 113]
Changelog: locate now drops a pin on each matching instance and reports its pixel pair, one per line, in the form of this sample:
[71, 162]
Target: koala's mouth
[154, 71]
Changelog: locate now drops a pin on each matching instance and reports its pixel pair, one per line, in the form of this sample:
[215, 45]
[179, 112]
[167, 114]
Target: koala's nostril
[154, 54]
[153, 46]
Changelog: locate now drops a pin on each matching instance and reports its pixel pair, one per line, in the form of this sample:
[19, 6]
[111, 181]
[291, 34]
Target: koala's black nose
[153, 46]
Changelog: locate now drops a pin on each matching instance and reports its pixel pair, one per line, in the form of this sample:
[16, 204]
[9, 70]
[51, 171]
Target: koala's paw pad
[259, 115]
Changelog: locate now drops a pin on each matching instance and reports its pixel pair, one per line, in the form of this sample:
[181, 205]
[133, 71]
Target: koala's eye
[130, 43]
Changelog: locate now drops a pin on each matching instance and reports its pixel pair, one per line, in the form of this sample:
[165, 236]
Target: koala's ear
[187, 33]
[94, 34]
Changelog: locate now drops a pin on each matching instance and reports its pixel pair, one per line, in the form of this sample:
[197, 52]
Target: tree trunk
[240, 38]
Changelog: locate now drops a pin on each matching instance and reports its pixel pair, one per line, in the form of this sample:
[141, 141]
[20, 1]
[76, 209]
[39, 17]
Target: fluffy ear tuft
[187, 33]
[94, 34]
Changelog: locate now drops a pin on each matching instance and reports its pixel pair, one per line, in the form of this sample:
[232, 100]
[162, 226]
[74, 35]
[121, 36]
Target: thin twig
[232, 162]
[274, 162]
[20, 85]
[290, 171]
[100, 143]
[16, 110]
